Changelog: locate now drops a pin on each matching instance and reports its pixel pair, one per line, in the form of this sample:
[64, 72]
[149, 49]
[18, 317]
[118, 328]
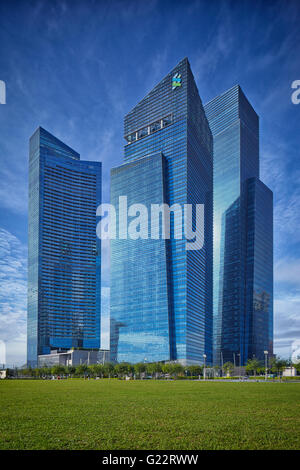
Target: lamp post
[266, 363]
[239, 355]
[204, 370]
[222, 364]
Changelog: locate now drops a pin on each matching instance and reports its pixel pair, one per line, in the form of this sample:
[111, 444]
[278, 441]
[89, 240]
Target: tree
[100, 370]
[261, 370]
[42, 372]
[36, 372]
[279, 365]
[139, 368]
[177, 369]
[158, 368]
[297, 367]
[167, 368]
[150, 369]
[71, 370]
[253, 365]
[58, 370]
[92, 370]
[45, 371]
[108, 369]
[154, 368]
[195, 370]
[96, 370]
[81, 369]
[27, 372]
[122, 369]
[228, 367]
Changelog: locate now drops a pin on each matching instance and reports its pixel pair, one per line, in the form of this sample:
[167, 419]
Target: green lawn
[113, 414]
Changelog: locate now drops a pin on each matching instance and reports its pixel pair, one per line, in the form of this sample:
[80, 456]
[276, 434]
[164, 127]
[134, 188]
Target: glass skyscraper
[161, 293]
[243, 234]
[64, 259]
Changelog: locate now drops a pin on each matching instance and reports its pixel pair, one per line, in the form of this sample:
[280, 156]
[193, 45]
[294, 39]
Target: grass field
[113, 414]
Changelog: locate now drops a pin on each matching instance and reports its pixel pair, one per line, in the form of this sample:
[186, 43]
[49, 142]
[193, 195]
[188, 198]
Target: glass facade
[235, 128]
[64, 254]
[259, 265]
[161, 294]
[143, 331]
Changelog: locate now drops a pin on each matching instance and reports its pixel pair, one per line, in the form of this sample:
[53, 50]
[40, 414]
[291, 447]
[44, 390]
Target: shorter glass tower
[64, 268]
[242, 234]
[140, 297]
[259, 269]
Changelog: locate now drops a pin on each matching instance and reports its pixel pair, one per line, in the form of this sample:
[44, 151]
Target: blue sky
[77, 67]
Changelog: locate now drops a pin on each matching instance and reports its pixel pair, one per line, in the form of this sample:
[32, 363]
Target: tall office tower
[243, 234]
[63, 250]
[161, 293]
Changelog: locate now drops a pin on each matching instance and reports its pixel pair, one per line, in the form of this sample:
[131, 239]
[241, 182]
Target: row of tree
[120, 370]
[275, 365]
[154, 370]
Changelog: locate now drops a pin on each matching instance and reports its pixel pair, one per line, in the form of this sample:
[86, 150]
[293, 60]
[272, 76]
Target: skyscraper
[243, 234]
[64, 267]
[161, 293]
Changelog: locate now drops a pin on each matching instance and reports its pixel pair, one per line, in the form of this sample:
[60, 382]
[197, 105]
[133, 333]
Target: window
[142, 132]
[131, 137]
[155, 126]
[166, 121]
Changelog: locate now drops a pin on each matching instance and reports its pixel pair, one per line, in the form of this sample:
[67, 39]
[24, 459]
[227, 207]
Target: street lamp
[222, 364]
[238, 354]
[204, 370]
[266, 363]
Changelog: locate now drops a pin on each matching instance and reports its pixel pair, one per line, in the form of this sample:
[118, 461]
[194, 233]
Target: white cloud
[13, 190]
[13, 297]
[287, 270]
[287, 323]
[296, 351]
[217, 48]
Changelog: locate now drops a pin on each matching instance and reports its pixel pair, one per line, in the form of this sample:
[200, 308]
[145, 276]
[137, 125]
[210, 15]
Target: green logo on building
[176, 81]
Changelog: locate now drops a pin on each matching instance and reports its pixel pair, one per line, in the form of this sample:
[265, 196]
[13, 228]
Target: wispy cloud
[13, 296]
[287, 324]
[287, 270]
[13, 190]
